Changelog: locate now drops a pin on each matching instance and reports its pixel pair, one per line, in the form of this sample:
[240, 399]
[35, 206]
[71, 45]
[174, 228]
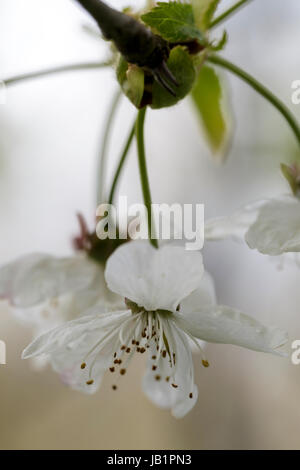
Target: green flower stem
[101, 173]
[228, 12]
[144, 173]
[261, 89]
[53, 71]
[121, 164]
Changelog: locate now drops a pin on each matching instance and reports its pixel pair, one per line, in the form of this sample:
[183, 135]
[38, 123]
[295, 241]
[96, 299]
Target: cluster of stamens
[136, 334]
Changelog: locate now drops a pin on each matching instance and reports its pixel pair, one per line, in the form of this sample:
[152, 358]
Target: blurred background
[51, 132]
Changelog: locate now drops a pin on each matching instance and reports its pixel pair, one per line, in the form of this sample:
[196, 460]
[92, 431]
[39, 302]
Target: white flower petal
[70, 333]
[204, 295]
[74, 377]
[90, 340]
[68, 364]
[183, 405]
[233, 226]
[277, 228]
[161, 392]
[154, 279]
[35, 278]
[220, 324]
[49, 314]
[55, 311]
[270, 226]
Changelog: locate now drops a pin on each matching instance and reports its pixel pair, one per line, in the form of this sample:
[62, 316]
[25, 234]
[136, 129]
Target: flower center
[138, 332]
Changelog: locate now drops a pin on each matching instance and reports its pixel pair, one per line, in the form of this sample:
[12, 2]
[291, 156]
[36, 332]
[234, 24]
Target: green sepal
[131, 79]
[290, 174]
[217, 46]
[182, 67]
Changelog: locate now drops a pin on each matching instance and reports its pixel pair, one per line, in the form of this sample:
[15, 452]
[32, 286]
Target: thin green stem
[261, 89]
[228, 12]
[144, 174]
[121, 164]
[53, 71]
[101, 173]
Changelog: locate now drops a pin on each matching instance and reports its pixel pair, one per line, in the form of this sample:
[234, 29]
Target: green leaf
[207, 97]
[174, 21]
[182, 67]
[204, 11]
[131, 79]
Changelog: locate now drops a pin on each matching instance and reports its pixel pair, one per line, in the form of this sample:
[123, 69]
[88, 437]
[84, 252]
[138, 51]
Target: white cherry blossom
[168, 303]
[270, 226]
[44, 291]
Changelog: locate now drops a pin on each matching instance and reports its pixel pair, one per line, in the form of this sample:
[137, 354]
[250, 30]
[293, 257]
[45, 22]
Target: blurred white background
[51, 131]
